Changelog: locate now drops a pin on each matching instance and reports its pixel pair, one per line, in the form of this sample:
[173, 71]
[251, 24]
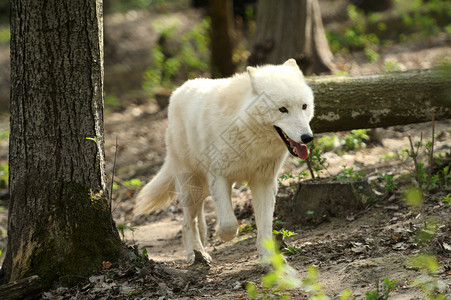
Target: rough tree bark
[371, 101]
[59, 224]
[221, 34]
[291, 29]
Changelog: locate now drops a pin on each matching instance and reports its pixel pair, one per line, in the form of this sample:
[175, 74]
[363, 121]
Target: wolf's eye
[283, 109]
[304, 107]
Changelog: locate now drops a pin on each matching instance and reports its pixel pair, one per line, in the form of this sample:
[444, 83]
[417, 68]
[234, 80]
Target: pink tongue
[301, 149]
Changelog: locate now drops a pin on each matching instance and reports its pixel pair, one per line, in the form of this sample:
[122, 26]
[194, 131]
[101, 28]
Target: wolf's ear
[251, 71]
[291, 63]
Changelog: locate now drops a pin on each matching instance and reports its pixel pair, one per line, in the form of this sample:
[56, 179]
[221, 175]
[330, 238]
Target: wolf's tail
[158, 193]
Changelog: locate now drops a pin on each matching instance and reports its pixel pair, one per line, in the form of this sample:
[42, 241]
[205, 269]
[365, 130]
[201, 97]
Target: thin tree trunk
[221, 14]
[59, 224]
[371, 101]
[291, 29]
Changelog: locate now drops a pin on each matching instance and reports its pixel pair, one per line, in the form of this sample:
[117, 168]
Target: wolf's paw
[199, 257]
[228, 232]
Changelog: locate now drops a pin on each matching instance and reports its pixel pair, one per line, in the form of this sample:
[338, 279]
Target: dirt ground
[354, 251]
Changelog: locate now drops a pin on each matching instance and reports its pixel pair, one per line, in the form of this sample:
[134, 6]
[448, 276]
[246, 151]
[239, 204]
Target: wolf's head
[288, 103]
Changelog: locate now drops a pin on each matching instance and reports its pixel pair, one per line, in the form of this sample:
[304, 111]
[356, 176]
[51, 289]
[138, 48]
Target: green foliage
[139, 260]
[126, 5]
[447, 200]
[315, 161]
[123, 227]
[285, 233]
[419, 17]
[94, 139]
[128, 293]
[391, 66]
[328, 143]
[133, 183]
[275, 283]
[290, 250]
[388, 181]
[109, 275]
[4, 134]
[381, 294]
[356, 139]
[5, 34]
[426, 16]
[287, 175]
[349, 173]
[112, 102]
[190, 59]
[244, 229]
[414, 197]
[355, 37]
[428, 282]
[4, 176]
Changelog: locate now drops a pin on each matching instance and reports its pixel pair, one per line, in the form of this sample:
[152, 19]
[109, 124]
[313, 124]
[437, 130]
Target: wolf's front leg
[220, 190]
[263, 199]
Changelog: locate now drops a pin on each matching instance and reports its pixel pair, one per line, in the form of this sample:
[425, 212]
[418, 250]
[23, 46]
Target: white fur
[222, 131]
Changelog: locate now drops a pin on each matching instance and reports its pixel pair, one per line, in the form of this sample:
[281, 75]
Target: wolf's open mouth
[296, 149]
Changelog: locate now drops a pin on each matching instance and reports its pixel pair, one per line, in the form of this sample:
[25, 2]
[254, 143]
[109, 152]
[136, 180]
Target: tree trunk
[291, 29]
[370, 101]
[59, 224]
[221, 15]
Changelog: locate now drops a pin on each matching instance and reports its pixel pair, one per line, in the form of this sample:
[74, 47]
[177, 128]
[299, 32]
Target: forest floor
[355, 251]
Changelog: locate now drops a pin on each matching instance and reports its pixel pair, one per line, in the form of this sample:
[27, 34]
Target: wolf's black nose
[306, 138]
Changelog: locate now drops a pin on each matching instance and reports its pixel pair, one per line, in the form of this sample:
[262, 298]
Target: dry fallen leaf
[106, 265]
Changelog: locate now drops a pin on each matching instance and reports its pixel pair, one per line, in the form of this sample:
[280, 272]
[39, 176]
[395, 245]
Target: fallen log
[371, 101]
[25, 289]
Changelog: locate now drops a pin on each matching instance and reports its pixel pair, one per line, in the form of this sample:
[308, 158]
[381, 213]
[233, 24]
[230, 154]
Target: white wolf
[222, 131]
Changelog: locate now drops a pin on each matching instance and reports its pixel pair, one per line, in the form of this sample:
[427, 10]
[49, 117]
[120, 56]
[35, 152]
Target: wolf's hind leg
[191, 198]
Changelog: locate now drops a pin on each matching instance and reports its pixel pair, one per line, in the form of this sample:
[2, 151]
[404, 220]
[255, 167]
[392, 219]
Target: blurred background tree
[291, 29]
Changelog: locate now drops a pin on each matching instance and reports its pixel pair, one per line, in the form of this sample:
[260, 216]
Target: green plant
[123, 227]
[349, 173]
[355, 37]
[133, 183]
[413, 197]
[275, 283]
[139, 260]
[391, 66]
[190, 58]
[109, 275]
[4, 134]
[428, 282]
[327, 143]
[112, 102]
[94, 139]
[5, 34]
[382, 294]
[284, 233]
[316, 162]
[4, 175]
[388, 182]
[291, 250]
[287, 175]
[446, 199]
[244, 229]
[356, 139]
